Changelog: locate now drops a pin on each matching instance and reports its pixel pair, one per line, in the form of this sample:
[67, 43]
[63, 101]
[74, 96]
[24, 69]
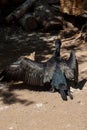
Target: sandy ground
[25, 109]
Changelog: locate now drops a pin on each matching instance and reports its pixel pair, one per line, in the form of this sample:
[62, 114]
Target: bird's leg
[63, 94]
[62, 91]
[52, 89]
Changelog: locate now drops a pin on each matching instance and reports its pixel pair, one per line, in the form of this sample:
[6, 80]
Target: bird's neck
[57, 53]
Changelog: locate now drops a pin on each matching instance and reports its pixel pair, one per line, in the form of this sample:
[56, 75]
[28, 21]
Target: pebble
[81, 103]
[11, 128]
[39, 105]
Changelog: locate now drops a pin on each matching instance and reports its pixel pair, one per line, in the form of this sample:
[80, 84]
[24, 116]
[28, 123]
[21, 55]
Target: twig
[80, 35]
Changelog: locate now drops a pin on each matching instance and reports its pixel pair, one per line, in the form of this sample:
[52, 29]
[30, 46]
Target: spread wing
[30, 71]
[69, 67]
[24, 70]
[34, 72]
[73, 64]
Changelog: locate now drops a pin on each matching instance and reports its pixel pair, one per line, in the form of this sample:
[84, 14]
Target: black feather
[73, 64]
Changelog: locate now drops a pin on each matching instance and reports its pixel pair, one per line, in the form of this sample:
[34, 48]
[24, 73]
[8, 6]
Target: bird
[66, 70]
[55, 71]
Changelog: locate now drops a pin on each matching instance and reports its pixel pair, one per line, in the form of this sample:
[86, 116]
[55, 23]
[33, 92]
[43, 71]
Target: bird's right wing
[34, 72]
[24, 70]
[12, 72]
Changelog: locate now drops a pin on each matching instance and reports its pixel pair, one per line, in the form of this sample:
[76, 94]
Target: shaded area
[8, 92]
[14, 42]
[9, 97]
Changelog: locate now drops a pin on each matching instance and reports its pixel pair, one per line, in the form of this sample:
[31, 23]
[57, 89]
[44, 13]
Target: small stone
[81, 103]
[39, 105]
[78, 101]
[10, 128]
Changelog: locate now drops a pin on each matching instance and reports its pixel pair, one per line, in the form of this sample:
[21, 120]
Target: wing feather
[50, 68]
[25, 70]
[68, 72]
[73, 64]
[13, 72]
[33, 72]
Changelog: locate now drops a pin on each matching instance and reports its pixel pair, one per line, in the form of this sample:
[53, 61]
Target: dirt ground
[22, 108]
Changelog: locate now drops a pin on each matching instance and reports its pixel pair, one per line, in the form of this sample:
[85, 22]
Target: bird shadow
[80, 85]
